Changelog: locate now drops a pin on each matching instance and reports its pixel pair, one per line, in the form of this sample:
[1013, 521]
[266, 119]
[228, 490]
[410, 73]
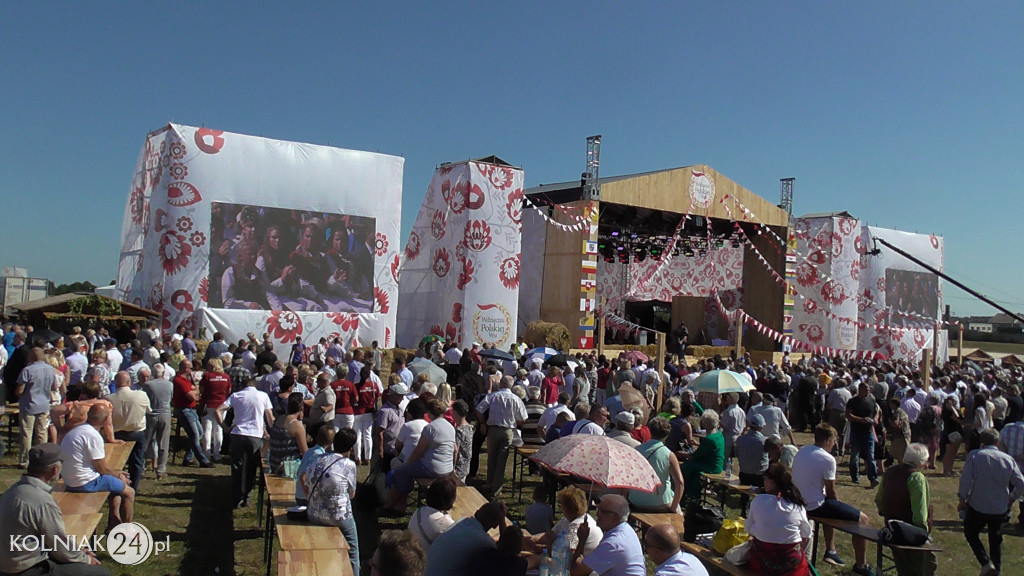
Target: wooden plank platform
[82, 526]
[279, 486]
[711, 558]
[314, 563]
[295, 535]
[72, 503]
[647, 519]
[117, 454]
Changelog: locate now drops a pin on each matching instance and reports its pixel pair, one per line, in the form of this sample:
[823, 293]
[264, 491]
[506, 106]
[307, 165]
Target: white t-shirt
[570, 529]
[777, 521]
[551, 414]
[80, 447]
[249, 405]
[812, 466]
[428, 523]
[453, 355]
[409, 436]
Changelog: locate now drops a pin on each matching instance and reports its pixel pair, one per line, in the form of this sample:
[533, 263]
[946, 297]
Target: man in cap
[750, 452]
[29, 510]
[624, 422]
[388, 423]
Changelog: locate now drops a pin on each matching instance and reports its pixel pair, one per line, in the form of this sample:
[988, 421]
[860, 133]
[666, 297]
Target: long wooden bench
[867, 532]
[711, 559]
[296, 535]
[82, 526]
[314, 563]
[80, 502]
[645, 520]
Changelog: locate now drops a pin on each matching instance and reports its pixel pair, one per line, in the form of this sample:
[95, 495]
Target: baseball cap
[400, 389]
[625, 417]
[756, 421]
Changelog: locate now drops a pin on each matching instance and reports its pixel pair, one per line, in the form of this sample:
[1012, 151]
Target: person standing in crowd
[253, 414]
[214, 389]
[778, 527]
[666, 497]
[903, 495]
[862, 413]
[331, 490]
[128, 416]
[733, 422]
[814, 475]
[1011, 441]
[835, 403]
[463, 439]
[239, 373]
[367, 397]
[159, 391]
[505, 411]
[287, 435]
[34, 384]
[345, 398]
[215, 349]
[29, 510]
[388, 422]
[185, 400]
[897, 424]
[990, 483]
[663, 549]
[322, 411]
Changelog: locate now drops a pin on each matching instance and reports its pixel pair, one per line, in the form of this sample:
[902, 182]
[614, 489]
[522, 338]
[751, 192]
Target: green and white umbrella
[722, 382]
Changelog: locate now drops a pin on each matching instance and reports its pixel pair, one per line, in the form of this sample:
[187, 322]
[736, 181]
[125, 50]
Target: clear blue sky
[909, 115]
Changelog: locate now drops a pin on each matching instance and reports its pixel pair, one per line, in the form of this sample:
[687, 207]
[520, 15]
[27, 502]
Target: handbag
[739, 554]
[731, 534]
[701, 520]
[900, 533]
[301, 513]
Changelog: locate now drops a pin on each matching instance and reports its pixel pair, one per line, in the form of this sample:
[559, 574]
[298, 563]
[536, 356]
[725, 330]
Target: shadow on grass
[209, 538]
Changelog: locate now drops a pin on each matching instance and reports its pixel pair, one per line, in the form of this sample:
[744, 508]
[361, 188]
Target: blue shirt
[407, 377]
[618, 554]
[453, 552]
[309, 460]
[682, 564]
[991, 481]
[38, 379]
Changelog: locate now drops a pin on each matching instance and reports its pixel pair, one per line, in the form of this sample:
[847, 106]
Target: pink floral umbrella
[602, 460]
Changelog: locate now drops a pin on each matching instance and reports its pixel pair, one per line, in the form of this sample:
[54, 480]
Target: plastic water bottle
[545, 564]
[728, 469]
[560, 556]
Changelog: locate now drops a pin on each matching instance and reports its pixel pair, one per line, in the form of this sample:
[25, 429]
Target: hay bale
[551, 334]
[703, 352]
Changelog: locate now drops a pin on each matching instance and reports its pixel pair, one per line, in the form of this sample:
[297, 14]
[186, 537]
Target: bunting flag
[580, 221]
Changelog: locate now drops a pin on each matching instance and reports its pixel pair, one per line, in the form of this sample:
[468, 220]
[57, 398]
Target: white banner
[284, 238]
[460, 278]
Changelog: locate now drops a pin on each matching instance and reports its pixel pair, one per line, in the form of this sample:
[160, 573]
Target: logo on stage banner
[587, 304]
[702, 190]
[586, 342]
[588, 286]
[587, 322]
[589, 267]
[492, 324]
[590, 247]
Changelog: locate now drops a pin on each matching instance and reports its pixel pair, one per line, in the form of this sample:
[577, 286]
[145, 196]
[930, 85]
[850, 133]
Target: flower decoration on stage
[450, 331]
[477, 235]
[846, 226]
[412, 249]
[160, 220]
[445, 170]
[499, 176]
[182, 300]
[396, 263]
[175, 251]
[816, 257]
[858, 246]
[460, 250]
[204, 288]
[880, 284]
[380, 244]
[810, 306]
[878, 340]
[181, 194]
[184, 224]
[457, 199]
[446, 191]
[855, 267]
[801, 230]
[346, 322]
[457, 312]
[934, 240]
[197, 238]
[284, 325]
[833, 292]
[156, 296]
[865, 300]
[814, 332]
[436, 330]
[904, 349]
[442, 262]
[837, 245]
[387, 337]
[381, 303]
[823, 240]
[509, 272]
[209, 141]
[178, 170]
[437, 225]
[138, 204]
[466, 274]
[177, 149]
[474, 197]
[806, 274]
[919, 338]
[166, 317]
[514, 206]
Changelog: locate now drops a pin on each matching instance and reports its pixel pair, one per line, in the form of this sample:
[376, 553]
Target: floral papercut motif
[175, 251]
[478, 235]
[412, 249]
[284, 325]
[442, 262]
[509, 272]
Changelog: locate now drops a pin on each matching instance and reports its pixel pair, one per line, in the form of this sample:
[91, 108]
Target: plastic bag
[739, 554]
[730, 534]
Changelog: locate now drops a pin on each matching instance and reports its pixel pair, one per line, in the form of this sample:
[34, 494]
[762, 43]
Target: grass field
[1005, 347]
[192, 507]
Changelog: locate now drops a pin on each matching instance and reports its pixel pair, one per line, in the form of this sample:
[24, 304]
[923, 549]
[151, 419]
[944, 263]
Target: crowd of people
[319, 412]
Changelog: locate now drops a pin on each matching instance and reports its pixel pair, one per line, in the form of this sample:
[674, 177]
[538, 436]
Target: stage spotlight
[703, 252]
[615, 232]
[688, 252]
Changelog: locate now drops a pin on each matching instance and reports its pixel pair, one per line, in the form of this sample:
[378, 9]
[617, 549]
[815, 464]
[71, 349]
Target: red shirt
[182, 386]
[368, 396]
[549, 389]
[602, 377]
[214, 388]
[641, 434]
[345, 396]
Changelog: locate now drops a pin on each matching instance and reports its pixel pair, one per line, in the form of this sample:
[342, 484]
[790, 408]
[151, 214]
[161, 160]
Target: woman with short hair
[331, 490]
[778, 527]
[573, 503]
[430, 521]
[666, 497]
[433, 457]
[708, 457]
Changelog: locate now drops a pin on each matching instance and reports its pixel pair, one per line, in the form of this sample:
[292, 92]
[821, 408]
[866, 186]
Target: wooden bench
[520, 462]
[82, 526]
[116, 456]
[731, 484]
[867, 532]
[711, 559]
[297, 535]
[467, 501]
[76, 503]
[314, 563]
[645, 520]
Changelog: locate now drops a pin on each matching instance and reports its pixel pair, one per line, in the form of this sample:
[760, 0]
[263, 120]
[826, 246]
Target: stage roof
[668, 190]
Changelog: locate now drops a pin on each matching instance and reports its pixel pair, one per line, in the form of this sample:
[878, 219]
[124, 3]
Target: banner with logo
[460, 278]
[241, 234]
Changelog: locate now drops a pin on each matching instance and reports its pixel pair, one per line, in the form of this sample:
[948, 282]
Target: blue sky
[909, 116]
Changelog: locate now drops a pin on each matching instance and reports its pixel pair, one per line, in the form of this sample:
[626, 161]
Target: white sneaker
[989, 570]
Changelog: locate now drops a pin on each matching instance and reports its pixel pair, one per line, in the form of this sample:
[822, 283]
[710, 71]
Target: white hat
[625, 417]
[400, 389]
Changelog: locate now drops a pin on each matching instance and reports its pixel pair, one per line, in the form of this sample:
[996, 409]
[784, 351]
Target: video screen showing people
[912, 298]
[279, 259]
